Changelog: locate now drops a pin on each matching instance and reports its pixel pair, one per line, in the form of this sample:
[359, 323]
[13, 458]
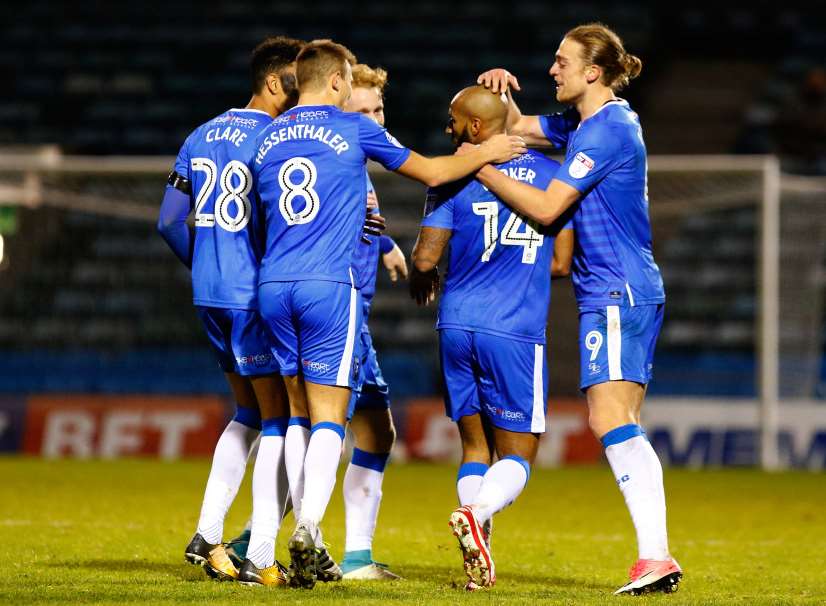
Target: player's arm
[543, 206]
[393, 258]
[537, 131]
[424, 278]
[379, 145]
[175, 208]
[444, 169]
[563, 254]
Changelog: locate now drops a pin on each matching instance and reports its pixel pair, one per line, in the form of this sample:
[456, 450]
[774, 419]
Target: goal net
[741, 248]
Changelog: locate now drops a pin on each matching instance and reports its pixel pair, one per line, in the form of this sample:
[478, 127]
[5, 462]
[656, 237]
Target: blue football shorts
[372, 391]
[503, 379]
[241, 340]
[616, 343]
[316, 326]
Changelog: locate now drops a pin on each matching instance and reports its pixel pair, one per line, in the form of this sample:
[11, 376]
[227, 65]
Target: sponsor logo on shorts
[507, 415]
[594, 368]
[356, 368]
[315, 366]
[259, 359]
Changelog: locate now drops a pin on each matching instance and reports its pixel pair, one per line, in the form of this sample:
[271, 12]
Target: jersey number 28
[232, 206]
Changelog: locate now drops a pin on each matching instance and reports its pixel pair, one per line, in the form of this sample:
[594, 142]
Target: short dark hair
[271, 56]
[318, 60]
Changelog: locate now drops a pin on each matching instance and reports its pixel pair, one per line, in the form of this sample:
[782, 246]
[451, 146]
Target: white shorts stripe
[538, 415]
[614, 347]
[630, 296]
[343, 376]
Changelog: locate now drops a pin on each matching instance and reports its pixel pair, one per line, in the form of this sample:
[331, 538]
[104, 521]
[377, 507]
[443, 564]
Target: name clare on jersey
[302, 131]
[227, 133]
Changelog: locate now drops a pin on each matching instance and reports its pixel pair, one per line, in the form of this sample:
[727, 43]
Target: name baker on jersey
[302, 131]
[519, 173]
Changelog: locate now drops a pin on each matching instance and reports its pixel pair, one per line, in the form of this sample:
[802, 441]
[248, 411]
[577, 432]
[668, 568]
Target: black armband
[180, 183]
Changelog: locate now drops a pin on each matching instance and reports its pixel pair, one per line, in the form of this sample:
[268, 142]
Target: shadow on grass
[418, 572]
[182, 570]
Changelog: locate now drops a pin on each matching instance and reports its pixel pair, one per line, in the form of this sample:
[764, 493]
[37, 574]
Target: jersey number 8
[236, 183]
[303, 189]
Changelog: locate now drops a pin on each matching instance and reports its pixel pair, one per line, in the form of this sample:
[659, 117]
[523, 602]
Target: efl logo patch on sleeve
[392, 140]
[581, 166]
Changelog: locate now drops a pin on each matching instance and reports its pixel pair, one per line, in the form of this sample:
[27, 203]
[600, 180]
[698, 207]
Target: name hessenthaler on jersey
[302, 131]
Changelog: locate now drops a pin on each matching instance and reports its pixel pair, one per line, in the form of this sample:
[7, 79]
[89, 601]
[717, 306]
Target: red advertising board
[112, 426]
[429, 434]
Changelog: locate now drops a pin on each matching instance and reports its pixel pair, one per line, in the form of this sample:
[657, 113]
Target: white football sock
[267, 507]
[229, 462]
[320, 465]
[639, 475]
[295, 450]
[362, 498]
[468, 481]
[501, 485]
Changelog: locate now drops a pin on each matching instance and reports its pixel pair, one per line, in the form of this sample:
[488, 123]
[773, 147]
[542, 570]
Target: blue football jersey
[366, 260]
[499, 267]
[310, 175]
[216, 159]
[606, 161]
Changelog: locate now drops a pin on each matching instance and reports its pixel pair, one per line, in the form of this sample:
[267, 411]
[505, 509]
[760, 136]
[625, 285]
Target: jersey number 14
[529, 239]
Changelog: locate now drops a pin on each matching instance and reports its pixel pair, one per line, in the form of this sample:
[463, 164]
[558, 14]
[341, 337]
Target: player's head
[591, 56]
[368, 92]
[326, 67]
[476, 114]
[272, 71]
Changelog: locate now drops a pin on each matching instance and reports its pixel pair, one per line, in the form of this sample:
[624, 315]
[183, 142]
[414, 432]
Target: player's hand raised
[395, 263]
[498, 80]
[502, 148]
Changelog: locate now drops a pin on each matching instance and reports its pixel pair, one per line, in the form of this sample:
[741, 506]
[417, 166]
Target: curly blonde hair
[365, 76]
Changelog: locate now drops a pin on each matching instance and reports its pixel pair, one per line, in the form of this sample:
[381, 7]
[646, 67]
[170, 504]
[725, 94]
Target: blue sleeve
[386, 244]
[438, 209]
[569, 224]
[172, 224]
[380, 145]
[597, 152]
[557, 127]
[182, 161]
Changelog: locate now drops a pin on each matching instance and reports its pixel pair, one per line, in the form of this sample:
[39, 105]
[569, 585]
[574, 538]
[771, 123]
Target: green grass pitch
[114, 532]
